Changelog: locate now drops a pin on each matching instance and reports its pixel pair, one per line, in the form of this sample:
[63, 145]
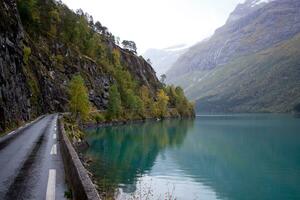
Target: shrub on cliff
[99, 118]
[26, 54]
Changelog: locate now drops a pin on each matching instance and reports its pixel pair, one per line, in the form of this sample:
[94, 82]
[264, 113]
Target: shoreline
[125, 122]
[83, 145]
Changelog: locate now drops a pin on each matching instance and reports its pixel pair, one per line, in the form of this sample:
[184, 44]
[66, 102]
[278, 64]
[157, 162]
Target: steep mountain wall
[49, 77]
[248, 30]
[34, 73]
[14, 97]
[229, 72]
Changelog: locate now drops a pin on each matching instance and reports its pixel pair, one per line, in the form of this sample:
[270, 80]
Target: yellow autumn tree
[161, 105]
[146, 99]
[78, 98]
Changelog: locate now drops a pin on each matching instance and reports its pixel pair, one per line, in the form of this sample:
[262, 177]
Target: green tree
[114, 104]
[134, 103]
[163, 78]
[129, 45]
[79, 101]
[29, 13]
[130, 100]
[171, 92]
[183, 106]
[54, 21]
[140, 106]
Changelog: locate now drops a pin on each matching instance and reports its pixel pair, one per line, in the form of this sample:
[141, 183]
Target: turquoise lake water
[212, 157]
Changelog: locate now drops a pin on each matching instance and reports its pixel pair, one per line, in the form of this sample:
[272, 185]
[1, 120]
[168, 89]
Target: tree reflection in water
[122, 154]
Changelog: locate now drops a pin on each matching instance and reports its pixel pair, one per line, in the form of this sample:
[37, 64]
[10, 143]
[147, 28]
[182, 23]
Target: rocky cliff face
[14, 98]
[49, 78]
[39, 85]
[251, 64]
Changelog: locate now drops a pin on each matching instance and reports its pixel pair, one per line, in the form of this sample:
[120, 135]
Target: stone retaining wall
[77, 177]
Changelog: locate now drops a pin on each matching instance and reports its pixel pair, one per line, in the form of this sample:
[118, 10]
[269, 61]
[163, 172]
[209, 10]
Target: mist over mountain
[251, 64]
[163, 59]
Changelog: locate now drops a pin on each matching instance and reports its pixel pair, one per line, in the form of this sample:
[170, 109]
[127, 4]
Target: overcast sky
[158, 23]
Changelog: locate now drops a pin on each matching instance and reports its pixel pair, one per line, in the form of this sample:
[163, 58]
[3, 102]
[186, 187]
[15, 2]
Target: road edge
[77, 177]
[4, 140]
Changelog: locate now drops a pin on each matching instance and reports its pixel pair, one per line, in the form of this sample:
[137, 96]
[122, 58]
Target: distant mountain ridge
[163, 59]
[253, 31]
[246, 8]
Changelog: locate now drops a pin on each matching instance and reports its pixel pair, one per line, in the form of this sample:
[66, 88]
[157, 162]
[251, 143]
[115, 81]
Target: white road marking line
[24, 126]
[50, 194]
[53, 150]
[11, 132]
[54, 136]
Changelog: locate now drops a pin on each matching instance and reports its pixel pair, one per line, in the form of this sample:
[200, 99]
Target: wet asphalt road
[30, 162]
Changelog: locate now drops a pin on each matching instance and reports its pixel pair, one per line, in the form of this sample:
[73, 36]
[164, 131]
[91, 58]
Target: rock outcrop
[14, 93]
[38, 84]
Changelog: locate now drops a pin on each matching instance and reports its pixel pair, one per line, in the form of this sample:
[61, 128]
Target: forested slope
[44, 44]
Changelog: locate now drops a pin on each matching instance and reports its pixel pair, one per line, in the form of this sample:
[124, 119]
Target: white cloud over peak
[157, 23]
